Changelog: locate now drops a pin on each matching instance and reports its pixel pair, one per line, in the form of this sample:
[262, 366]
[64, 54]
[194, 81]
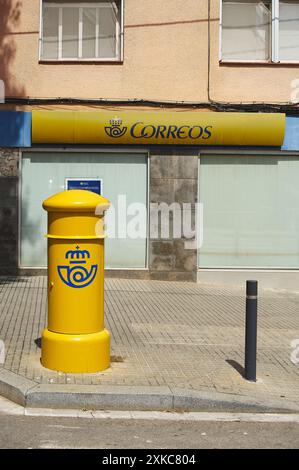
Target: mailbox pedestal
[75, 340]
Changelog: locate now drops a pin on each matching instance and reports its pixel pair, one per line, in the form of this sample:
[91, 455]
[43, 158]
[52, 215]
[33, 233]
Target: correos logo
[115, 130]
[74, 274]
[139, 130]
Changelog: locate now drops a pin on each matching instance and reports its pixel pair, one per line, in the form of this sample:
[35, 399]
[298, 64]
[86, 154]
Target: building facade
[187, 107]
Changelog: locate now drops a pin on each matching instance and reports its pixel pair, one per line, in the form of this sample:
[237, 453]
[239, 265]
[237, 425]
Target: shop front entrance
[119, 176]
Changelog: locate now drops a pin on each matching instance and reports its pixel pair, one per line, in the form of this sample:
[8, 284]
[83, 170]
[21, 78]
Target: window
[81, 30]
[260, 30]
[250, 211]
[121, 173]
[289, 30]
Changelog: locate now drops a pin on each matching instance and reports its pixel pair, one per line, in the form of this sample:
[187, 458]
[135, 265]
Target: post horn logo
[75, 275]
[115, 130]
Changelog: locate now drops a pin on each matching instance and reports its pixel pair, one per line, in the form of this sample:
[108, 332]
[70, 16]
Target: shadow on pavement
[6, 280]
[236, 366]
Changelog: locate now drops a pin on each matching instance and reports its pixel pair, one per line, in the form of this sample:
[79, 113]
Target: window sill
[257, 63]
[81, 61]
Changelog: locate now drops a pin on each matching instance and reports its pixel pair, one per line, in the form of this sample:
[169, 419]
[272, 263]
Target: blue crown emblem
[77, 255]
[77, 276]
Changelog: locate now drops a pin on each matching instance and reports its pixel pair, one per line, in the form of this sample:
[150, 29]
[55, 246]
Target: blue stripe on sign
[291, 136]
[15, 129]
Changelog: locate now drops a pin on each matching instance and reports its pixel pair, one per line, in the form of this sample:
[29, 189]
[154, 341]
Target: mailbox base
[76, 353]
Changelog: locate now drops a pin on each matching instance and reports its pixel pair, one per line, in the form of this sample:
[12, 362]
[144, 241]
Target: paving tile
[164, 333]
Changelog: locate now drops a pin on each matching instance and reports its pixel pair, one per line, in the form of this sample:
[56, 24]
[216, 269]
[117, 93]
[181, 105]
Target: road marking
[61, 426]
[50, 445]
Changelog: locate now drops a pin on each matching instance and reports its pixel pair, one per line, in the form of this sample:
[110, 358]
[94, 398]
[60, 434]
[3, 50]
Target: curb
[28, 393]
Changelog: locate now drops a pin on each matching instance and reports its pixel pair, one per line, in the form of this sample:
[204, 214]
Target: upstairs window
[81, 30]
[260, 31]
[289, 30]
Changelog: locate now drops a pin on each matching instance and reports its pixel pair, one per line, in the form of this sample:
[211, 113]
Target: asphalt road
[59, 432]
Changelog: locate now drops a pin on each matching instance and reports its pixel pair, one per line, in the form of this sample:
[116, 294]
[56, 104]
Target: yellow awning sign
[150, 128]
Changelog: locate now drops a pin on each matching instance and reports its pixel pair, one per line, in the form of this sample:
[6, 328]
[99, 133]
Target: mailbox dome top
[76, 200]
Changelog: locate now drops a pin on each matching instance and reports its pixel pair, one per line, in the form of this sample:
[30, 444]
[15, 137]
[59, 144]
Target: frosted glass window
[246, 30]
[250, 211]
[70, 32]
[44, 174]
[107, 36]
[50, 37]
[89, 19]
[81, 30]
[289, 30]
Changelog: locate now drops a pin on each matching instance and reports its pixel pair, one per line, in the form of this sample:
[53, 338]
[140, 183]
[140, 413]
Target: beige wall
[165, 57]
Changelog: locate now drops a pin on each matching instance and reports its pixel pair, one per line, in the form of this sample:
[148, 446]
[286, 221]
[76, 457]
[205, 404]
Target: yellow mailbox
[76, 339]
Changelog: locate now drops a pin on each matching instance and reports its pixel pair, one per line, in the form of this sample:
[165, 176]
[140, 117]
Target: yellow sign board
[150, 128]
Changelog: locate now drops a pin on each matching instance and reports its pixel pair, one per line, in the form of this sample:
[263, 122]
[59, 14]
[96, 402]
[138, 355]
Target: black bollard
[251, 330]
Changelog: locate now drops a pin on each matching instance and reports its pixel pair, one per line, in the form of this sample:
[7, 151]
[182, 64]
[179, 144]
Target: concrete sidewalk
[174, 346]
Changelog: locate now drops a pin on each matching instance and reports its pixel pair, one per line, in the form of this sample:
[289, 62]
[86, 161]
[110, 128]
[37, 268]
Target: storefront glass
[250, 211]
[44, 174]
